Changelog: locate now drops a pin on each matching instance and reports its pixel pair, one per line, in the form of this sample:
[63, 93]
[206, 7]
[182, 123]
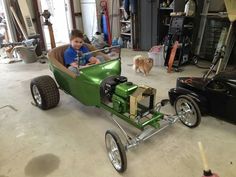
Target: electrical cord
[202, 67]
[195, 63]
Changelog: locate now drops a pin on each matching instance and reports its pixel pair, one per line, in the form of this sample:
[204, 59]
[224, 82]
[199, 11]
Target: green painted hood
[97, 73]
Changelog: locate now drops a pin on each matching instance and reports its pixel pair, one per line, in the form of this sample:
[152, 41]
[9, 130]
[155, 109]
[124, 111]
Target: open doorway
[60, 19]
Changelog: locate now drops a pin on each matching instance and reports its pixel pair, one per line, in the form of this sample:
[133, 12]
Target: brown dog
[142, 64]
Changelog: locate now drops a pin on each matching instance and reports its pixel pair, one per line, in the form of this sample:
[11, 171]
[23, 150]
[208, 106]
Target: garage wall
[78, 18]
[31, 9]
[148, 23]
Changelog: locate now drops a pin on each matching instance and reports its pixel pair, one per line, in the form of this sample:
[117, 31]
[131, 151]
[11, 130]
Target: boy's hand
[94, 60]
[74, 64]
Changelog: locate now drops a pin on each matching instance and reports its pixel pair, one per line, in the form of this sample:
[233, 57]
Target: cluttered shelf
[126, 27]
[166, 8]
[185, 26]
[127, 34]
[123, 21]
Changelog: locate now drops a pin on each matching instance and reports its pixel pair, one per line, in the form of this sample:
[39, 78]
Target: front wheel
[116, 151]
[188, 111]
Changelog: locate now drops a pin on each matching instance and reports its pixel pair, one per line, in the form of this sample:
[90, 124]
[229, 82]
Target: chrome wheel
[36, 95]
[188, 111]
[115, 151]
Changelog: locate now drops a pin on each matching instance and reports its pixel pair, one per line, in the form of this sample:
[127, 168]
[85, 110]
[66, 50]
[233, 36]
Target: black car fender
[201, 101]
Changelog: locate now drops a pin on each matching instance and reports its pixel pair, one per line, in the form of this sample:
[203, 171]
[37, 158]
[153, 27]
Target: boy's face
[76, 43]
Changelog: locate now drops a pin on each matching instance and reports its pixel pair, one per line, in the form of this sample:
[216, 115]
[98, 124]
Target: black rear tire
[45, 92]
[111, 137]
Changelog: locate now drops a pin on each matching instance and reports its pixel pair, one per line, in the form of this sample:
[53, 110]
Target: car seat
[56, 57]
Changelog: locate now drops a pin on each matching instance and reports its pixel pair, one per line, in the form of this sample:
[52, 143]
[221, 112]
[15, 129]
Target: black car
[215, 96]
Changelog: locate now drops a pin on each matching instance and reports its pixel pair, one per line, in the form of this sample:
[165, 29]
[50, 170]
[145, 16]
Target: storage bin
[157, 54]
[27, 54]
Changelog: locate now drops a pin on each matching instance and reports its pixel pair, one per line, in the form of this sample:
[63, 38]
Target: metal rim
[186, 111]
[113, 152]
[36, 95]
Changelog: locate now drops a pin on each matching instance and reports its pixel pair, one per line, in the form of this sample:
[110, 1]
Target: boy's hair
[76, 33]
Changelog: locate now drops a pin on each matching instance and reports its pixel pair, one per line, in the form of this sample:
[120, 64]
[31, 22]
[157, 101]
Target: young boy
[74, 54]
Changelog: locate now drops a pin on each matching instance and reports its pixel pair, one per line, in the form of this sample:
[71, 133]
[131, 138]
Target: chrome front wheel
[188, 111]
[116, 151]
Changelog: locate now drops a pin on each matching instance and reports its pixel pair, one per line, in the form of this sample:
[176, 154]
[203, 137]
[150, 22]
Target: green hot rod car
[109, 90]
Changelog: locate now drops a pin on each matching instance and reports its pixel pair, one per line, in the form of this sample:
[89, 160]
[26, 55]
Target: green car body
[86, 86]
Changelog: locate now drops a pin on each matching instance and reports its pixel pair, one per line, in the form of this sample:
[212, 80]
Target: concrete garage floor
[68, 140]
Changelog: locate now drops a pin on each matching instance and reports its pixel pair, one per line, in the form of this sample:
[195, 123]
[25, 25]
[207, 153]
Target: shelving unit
[126, 27]
[166, 8]
[181, 30]
[127, 34]
[164, 19]
[210, 27]
[164, 16]
[123, 21]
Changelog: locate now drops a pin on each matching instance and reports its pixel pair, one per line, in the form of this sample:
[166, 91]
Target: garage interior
[69, 139]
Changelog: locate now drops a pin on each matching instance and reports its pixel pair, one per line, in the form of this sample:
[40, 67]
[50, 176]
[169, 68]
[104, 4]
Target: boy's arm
[92, 48]
[74, 64]
[88, 55]
[69, 59]
[94, 60]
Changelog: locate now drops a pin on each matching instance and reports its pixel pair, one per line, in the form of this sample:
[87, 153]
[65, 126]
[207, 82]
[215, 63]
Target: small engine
[126, 97]
[120, 99]
[108, 86]
[117, 90]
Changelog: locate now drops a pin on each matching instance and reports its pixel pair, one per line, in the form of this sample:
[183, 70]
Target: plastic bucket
[27, 54]
[156, 53]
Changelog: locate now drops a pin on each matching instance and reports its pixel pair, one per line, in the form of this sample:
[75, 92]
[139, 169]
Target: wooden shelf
[166, 8]
[188, 26]
[127, 34]
[123, 21]
[185, 26]
[216, 15]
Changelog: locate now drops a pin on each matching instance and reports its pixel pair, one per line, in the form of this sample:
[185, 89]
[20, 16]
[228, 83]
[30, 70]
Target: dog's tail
[134, 61]
[134, 66]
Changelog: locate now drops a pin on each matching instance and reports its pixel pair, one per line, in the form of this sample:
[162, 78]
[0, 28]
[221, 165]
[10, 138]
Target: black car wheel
[188, 111]
[44, 92]
[116, 151]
